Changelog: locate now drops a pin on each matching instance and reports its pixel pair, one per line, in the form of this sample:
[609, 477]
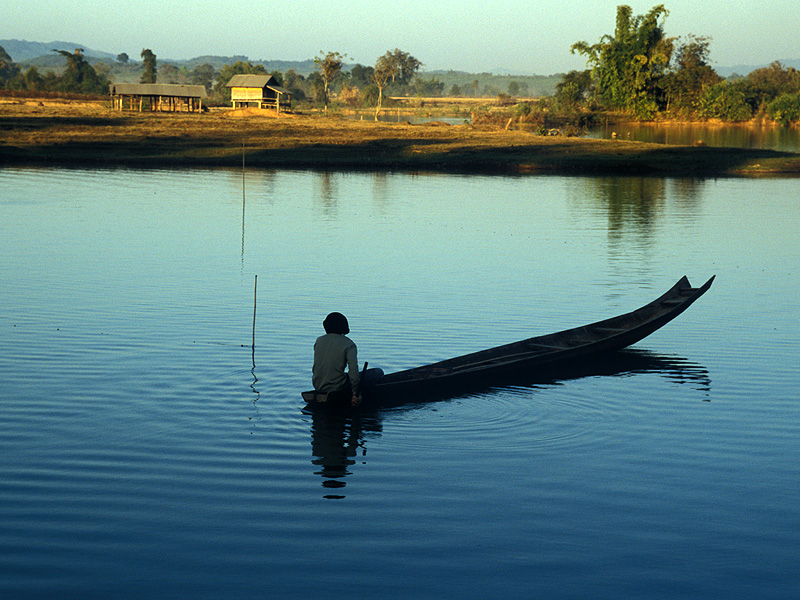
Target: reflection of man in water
[332, 353]
[338, 442]
[335, 440]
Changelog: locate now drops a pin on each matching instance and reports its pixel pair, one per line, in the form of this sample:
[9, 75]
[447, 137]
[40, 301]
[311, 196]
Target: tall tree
[691, 75]
[203, 75]
[79, 75]
[574, 88]
[402, 65]
[8, 69]
[223, 94]
[34, 80]
[361, 76]
[380, 76]
[768, 83]
[628, 65]
[295, 83]
[150, 69]
[329, 67]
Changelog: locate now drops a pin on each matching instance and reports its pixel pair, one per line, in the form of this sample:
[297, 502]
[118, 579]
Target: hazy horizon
[497, 37]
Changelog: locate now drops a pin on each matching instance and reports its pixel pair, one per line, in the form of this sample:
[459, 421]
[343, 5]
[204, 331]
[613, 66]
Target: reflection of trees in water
[729, 135]
[381, 194]
[262, 183]
[633, 204]
[253, 183]
[633, 207]
[337, 441]
[688, 194]
[328, 193]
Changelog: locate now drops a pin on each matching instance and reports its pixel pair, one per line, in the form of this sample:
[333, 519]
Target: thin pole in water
[255, 293]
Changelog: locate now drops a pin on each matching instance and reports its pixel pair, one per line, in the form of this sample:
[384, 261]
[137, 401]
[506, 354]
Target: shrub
[726, 102]
[350, 95]
[645, 108]
[523, 109]
[785, 108]
[369, 95]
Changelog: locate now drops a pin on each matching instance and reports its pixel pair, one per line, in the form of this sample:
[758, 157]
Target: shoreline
[35, 132]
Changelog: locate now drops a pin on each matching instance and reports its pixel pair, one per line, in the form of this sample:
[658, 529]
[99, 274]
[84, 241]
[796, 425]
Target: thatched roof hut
[159, 96]
[262, 91]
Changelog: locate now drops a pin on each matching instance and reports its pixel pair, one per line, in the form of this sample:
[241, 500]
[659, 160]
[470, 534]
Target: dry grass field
[91, 133]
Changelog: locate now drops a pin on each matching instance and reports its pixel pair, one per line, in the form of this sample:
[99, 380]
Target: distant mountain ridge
[22, 51]
[41, 54]
[745, 69]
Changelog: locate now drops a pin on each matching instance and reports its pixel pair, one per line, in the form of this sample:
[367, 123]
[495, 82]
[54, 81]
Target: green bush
[785, 109]
[523, 109]
[726, 102]
[645, 108]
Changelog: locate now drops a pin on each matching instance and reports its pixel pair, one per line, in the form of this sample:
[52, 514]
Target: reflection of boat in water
[623, 363]
[535, 357]
[339, 438]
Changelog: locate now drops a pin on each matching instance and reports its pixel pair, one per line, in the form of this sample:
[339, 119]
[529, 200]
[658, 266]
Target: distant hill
[23, 51]
[41, 54]
[304, 67]
[491, 84]
[745, 69]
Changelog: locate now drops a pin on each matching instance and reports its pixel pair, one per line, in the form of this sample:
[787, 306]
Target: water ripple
[521, 418]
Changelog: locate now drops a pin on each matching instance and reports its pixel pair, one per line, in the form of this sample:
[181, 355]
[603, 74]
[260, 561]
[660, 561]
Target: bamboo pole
[255, 294]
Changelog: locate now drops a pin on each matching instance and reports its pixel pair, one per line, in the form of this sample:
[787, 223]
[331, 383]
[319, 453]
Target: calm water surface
[729, 135]
[147, 451]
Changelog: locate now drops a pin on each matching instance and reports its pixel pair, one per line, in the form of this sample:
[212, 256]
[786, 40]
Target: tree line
[642, 72]
[638, 70]
[395, 71]
[361, 85]
[79, 77]
[394, 74]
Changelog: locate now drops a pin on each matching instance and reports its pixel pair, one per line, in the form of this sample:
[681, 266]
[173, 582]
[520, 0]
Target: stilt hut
[261, 91]
[157, 96]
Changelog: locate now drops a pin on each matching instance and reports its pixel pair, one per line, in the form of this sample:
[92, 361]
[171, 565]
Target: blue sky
[520, 36]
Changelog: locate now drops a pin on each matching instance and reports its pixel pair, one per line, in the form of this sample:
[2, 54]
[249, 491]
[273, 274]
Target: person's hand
[356, 400]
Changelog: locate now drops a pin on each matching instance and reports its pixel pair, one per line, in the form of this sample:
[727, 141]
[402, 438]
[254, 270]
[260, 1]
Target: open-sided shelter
[261, 91]
[158, 96]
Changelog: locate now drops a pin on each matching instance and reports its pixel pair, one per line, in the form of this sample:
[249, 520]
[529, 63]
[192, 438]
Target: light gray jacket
[332, 353]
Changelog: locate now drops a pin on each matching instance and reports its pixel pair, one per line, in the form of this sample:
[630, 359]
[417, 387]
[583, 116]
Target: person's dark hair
[336, 323]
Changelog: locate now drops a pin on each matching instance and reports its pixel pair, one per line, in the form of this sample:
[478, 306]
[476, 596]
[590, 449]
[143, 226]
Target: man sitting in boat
[332, 353]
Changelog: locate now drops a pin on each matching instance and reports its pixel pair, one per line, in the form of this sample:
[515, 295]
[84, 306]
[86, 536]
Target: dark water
[146, 451]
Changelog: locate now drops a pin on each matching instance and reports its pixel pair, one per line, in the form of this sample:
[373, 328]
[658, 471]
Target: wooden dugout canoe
[537, 355]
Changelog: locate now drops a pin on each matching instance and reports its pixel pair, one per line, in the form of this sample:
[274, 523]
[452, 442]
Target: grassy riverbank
[37, 132]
